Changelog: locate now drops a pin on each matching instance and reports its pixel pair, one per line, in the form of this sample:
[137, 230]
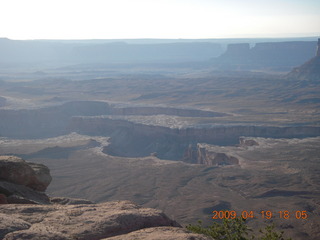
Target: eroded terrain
[185, 138]
[271, 175]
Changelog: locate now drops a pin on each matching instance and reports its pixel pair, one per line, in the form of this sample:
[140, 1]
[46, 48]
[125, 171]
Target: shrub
[235, 229]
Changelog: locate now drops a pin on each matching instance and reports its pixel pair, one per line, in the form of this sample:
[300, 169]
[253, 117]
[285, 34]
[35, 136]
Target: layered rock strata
[130, 139]
[82, 222]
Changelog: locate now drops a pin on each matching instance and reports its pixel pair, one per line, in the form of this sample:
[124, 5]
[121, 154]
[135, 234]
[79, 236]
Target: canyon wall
[54, 121]
[46, 122]
[137, 140]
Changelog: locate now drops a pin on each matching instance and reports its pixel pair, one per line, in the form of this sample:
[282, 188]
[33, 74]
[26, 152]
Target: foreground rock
[22, 182]
[161, 233]
[18, 171]
[87, 222]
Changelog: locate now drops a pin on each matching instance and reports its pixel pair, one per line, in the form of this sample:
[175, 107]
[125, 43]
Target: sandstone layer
[88, 222]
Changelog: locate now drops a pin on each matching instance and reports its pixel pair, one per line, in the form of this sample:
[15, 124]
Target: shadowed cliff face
[130, 139]
[167, 132]
[54, 121]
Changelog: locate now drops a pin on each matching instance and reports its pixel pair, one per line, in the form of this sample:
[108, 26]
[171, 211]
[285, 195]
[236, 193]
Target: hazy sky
[107, 19]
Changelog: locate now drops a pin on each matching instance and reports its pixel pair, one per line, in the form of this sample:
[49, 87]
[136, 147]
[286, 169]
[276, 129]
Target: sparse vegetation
[236, 229]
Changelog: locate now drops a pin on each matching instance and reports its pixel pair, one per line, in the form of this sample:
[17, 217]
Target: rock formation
[23, 182]
[247, 142]
[190, 155]
[214, 157]
[18, 171]
[131, 139]
[26, 213]
[309, 70]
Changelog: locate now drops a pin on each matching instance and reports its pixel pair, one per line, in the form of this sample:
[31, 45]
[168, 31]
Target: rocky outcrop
[22, 182]
[247, 142]
[88, 221]
[211, 157]
[190, 155]
[130, 139]
[16, 170]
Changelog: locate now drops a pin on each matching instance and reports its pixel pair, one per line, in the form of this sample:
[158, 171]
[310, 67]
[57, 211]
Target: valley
[188, 137]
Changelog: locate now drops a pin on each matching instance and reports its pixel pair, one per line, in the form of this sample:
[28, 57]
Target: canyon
[235, 127]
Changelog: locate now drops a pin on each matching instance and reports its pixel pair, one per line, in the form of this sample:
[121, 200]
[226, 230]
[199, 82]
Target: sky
[131, 19]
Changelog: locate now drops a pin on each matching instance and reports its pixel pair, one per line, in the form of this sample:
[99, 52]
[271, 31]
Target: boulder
[42, 175]
[18, 171]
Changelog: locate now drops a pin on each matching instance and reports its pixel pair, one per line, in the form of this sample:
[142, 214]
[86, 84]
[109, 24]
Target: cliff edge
[309, 70]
